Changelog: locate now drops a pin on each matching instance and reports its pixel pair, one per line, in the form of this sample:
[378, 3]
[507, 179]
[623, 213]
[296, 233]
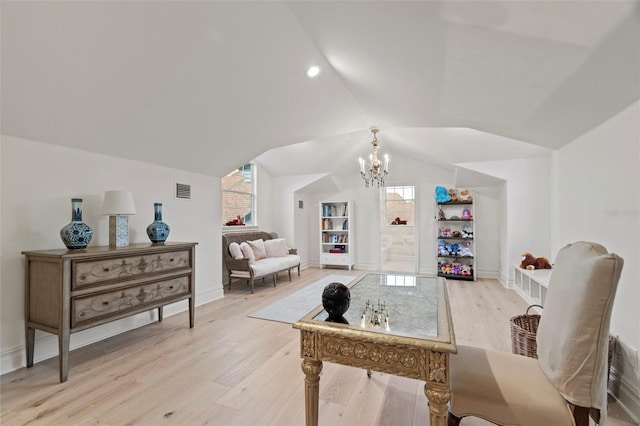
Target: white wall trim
[488, 273]
[46, 344]
[626, 393]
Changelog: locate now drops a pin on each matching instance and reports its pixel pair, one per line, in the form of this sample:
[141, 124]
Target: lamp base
[118, 231]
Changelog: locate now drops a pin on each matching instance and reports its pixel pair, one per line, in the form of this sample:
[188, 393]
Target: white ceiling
[208, 85]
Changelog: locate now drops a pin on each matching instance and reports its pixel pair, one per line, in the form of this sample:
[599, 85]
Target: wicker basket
[523, 334]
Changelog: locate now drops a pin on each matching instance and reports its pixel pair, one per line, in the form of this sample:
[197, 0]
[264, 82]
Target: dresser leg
[160, 314]
[63, 356]
[191, 312]
[31, 337]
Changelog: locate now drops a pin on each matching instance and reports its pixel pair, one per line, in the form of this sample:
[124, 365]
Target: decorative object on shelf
[531, 262]
[336, 299]
[378, 316]
[466, 214]
[158, 231]
[235, 222]
[398, 221]
[441, 214]
[118, 205]
[465, 196]
[442, 195]
[374, 170]
[76, 234]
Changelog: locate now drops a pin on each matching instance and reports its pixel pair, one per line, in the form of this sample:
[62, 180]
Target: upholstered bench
[258, 254]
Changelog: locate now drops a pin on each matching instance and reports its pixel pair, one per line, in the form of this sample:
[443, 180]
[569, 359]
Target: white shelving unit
[455, 229]
[532, 285]
[336, 234]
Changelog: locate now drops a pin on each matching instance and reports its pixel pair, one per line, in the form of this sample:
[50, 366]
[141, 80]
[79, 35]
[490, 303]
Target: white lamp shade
[118, 203]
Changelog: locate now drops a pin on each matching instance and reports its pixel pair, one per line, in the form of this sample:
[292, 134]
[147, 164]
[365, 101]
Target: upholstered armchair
[570, 375]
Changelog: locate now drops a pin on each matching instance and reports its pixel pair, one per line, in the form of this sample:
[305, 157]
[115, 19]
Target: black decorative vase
[158, 231]
[77, 234]
[336, 299]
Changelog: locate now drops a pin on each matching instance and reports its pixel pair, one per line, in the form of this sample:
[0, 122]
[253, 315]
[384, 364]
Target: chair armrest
[239, 265]
[293, 251]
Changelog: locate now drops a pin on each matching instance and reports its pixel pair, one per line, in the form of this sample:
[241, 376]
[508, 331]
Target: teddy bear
[466, 249]
[456, 268]
[465, 270]
[453, 193]
[530, 262]
[454, 249]
[441, 215]
[467, 231]
[442, 249]
[446, 268]
[465, 195]
[442, 196]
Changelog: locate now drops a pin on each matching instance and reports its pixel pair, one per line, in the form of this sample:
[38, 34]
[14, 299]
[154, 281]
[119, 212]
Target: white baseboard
[626, 393]
[488, 273]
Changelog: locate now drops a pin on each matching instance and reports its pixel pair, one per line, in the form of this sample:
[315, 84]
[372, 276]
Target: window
[399, 205]
[238, 196]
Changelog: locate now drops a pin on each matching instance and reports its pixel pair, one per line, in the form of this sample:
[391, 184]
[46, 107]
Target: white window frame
[253, 194]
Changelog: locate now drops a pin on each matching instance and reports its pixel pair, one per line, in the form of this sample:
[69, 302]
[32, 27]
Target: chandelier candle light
[118, 205]
[374, 170]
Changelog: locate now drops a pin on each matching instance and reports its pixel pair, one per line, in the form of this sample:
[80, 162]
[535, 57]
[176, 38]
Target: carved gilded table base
[399, 359]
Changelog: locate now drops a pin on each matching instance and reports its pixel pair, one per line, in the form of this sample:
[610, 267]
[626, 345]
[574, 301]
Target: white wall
[264, 210]
[598, 190]
[367, 207]
[525, 209]
[38, 182]
[597, 185]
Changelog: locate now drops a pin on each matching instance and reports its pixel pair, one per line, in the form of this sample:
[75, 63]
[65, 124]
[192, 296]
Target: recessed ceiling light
[313, 71]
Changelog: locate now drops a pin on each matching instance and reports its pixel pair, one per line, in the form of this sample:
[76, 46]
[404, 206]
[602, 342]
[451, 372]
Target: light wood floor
[235, 370]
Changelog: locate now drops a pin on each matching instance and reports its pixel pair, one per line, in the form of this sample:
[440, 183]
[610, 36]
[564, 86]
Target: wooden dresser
[72, 290]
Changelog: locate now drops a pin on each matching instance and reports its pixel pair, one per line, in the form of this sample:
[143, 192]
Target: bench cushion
[507, 389]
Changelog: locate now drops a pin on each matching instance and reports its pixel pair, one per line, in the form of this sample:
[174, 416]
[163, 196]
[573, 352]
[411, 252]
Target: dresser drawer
[92, 272]
[112, 303]
[334, 259]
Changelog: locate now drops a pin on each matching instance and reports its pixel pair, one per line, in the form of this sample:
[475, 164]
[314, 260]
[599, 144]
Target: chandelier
[374, 171]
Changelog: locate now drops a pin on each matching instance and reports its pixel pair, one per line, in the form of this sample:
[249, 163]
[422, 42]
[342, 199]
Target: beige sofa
[249, 270]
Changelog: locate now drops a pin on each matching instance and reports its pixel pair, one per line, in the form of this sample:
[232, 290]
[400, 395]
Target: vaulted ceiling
[208, 85]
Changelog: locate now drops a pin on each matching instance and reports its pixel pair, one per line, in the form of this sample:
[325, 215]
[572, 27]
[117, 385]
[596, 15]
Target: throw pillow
[235, 251]
[276, 247]
[258, 248]
[247, 251]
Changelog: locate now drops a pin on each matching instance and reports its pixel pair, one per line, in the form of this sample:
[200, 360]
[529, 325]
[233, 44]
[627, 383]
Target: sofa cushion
[247, 251]
[235, 251]
[276, 247]
[258, 248]
[271, 265]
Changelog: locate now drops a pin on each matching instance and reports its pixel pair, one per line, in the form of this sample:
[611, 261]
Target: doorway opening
[398, 237]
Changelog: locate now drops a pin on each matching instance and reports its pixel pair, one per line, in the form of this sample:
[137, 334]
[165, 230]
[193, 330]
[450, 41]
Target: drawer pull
[105, 303]
[105, 269]
[171, 259]
[170, 287]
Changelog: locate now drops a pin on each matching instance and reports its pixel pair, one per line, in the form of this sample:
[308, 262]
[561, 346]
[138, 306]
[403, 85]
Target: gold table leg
[311, 370]
[437, 388]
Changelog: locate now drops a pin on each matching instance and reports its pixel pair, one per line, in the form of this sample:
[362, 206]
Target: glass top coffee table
[397, 324]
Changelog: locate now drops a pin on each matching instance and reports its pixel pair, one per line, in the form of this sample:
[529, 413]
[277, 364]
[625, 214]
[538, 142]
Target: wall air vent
[183, 191]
